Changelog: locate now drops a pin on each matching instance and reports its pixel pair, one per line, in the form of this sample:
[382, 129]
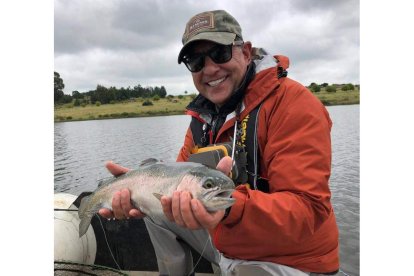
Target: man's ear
[247, 51]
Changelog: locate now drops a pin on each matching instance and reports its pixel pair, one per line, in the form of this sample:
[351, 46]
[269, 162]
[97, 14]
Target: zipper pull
[204, 138]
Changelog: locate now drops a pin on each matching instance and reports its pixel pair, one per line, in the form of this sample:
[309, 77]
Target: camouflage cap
[217, 26]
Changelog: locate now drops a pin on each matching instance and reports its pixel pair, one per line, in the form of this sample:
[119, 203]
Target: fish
[153, 179]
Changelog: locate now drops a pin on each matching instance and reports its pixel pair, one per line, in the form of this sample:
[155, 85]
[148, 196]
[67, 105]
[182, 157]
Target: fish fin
[148, 162]
[85, 213]
[84, 225]
[106, 180]
[158, 196]
[83, 206]
[78, 200]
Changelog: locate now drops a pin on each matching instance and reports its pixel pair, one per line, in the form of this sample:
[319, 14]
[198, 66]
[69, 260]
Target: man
[282, 222]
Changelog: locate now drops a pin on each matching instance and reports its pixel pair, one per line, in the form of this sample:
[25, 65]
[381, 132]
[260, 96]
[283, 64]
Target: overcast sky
[126, 42]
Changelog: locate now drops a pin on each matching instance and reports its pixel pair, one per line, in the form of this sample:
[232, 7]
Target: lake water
[81, 149]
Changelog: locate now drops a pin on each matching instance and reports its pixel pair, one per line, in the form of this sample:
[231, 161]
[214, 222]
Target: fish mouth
[217, 199]
[217, 193]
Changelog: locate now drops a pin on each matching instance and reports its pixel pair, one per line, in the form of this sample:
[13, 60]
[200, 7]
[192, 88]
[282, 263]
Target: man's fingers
[106, 213]
[122, 207]
[186, 211]
[205, 219]
[126, 202]
[166, 203]
[116, 206]
[175, 207]
[225, 165]
[135, 213]
[115, 169]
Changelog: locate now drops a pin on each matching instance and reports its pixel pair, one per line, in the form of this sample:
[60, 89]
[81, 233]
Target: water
[82, 148]
[345, 182]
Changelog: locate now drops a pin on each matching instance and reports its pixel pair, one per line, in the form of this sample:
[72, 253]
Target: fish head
[212, 187]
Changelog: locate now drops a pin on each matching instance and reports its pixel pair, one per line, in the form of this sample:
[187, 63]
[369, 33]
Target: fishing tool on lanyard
[210, 155]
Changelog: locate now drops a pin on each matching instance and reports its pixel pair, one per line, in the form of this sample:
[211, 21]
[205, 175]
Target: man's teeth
[216, 82]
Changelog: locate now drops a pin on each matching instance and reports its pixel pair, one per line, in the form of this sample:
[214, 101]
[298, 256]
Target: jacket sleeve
[296, 158]
[186, 148]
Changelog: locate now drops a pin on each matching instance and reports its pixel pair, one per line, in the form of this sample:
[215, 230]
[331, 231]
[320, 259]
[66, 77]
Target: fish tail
[83, 207]
[84, 225]
[85, 213]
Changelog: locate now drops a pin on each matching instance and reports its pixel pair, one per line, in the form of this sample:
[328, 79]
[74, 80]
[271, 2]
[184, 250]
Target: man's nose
[210, 66]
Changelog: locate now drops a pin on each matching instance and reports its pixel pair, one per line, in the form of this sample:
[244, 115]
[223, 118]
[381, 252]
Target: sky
[126, 43]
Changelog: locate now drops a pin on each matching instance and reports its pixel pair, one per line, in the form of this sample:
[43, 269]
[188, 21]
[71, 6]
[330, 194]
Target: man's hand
[121, 201]
[190, 213]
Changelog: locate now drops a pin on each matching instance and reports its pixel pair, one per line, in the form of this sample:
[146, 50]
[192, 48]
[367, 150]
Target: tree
[345, 87]
[314, 87]
[123, 94]
[103, 94]
[76, 95]
[330, 88]
[163, 92]
[65, 99]
[76, 102]
[351, 86]
[58, 87]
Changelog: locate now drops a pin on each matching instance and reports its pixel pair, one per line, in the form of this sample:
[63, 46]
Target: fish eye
[208, 184]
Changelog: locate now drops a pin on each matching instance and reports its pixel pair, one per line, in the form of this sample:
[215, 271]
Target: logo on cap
[204, 21]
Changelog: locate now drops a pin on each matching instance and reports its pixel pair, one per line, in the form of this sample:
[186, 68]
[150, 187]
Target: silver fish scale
[160, 179]
[159, 170]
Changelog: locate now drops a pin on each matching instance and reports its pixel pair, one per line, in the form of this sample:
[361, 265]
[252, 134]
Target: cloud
[126, 43]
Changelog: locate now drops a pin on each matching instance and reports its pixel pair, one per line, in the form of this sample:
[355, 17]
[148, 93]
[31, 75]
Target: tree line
[314, 87]
[104, 95]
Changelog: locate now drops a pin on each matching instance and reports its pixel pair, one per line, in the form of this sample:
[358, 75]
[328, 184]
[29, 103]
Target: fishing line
[106, 240]
[103, 230]
[201, 255]
[234, 142]
[344, 273]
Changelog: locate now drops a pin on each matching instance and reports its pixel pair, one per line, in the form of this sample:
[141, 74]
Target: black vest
[248, 128]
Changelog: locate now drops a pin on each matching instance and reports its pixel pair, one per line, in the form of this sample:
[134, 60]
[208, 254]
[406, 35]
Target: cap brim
[224, 38]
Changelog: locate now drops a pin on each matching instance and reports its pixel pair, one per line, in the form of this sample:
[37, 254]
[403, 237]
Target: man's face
[217, 82]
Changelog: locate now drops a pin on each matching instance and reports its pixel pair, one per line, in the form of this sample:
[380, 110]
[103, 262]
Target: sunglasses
[219, 54]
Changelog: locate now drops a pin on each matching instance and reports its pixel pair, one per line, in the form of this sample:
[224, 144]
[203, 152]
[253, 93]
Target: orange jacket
[294, 224]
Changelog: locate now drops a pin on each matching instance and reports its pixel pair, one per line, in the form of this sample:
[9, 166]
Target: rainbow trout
[152, 180]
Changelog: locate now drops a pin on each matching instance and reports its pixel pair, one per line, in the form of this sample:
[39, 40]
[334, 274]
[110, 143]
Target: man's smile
[216, 82]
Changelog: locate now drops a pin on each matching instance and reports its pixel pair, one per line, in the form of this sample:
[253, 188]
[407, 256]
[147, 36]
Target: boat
[109, 247]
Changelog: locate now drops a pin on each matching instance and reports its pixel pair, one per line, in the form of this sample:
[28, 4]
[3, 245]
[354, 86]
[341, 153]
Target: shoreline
[165, 107]
[150, 115]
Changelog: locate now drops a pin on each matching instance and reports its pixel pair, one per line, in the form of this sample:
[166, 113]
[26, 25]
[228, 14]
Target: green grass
[339, 97]
[69, 112]
[165, 106]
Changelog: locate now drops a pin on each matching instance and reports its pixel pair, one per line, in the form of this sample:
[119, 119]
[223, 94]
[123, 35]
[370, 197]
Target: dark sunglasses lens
[221, 54]
[195, 63]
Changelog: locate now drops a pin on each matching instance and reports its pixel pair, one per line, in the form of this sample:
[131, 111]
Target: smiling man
[217, 76]
[282, 222]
